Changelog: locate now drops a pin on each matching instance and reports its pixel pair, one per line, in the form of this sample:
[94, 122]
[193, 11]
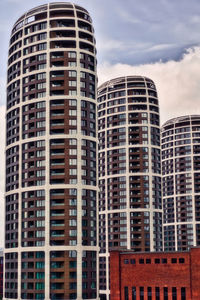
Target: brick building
[155, 276]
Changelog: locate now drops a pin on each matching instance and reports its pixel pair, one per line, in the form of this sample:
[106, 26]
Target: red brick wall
[153, 275]
[195, 273]
[115, 275]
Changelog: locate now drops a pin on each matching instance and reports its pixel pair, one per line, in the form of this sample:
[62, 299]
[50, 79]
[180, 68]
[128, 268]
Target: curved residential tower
[51, 184]
[181, 182]
[130, 207]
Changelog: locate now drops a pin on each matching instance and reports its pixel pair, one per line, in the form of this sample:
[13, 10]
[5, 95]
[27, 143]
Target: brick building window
[126, 261]
[141, 261]
[133, 261]
[165, 293]
[174, 293]
[141, 293]
[133, 293]
[183, 293]
[157, 293]
[157, 260]
[149, 293]
[125, 293]
[148, 261]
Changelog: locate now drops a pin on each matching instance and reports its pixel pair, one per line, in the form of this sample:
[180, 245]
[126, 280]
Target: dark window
[126, 261]
[165, 293]
[181, 260]
[133, 261]
[141, 261]
[174, 260]
[149, 293]
[174, 293]
[157, 290]
[125, 293]
[148, 261]
[183, 293]
[164, 260]
[157, 260]
[133, 293]
[141, 293]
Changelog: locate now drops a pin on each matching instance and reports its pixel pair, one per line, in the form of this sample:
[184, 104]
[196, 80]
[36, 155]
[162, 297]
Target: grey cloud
[177, 82]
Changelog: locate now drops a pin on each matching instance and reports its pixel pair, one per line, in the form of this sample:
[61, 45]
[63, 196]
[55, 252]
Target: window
[72, 112]
[183, 293]
[73, 161]
[181, 260]
[133, 293]
[72, 54]
[164, 260]
[141, 261]
[82, 84]
[157, 260]
[40, 213]
[149, 293]
[41, 76]
[42, 46]
[41, 57]
[157, 292]
[82, 74]
[126, 261]
[165, 293]
[148, 261]
[133, 261]
[73, 142]
[72, 212]
[125, 293]
[174, 260]
[72, 222]
[73, 232]
[39, 265]
[72, 172]
[141, 293]
[174, 293]
[72, 151]
[72, 83]
[40, 223]
[71, 64]
[72, 73]
[41, 66]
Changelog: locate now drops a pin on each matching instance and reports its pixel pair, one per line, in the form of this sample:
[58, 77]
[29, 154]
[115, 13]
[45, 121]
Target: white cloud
[178, 82]
[161, 47]
[107, 44]
[128, 16]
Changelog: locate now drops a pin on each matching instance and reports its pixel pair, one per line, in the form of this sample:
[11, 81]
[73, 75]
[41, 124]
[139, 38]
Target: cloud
[107, 44]
[161, 47]
[177, 82]
[127, 16]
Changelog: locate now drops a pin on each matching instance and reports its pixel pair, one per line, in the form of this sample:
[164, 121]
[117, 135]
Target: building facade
[1, 274]
[51, 241]
[130, 206]
[181, 178]
[155, 276]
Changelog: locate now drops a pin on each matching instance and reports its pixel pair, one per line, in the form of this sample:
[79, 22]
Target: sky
[159, 39]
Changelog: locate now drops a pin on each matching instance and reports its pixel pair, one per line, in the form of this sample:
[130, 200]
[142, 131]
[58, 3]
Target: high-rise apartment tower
[181, 182]
[130, 206]
[51, 242]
